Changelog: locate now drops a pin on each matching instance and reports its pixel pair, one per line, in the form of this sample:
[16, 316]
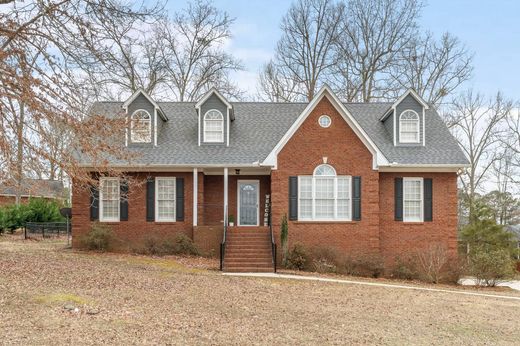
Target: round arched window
[324, 121]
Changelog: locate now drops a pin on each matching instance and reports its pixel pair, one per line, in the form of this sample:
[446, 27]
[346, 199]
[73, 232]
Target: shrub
[432, 264]
[490, 266]
[99, 238]
[36, 210]
[404, 269]
[284, 235]
[297, 258]
[180, 245]
[369, 266]
[184, 245]
[324, 260]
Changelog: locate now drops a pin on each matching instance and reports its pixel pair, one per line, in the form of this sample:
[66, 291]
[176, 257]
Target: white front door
[248, 202]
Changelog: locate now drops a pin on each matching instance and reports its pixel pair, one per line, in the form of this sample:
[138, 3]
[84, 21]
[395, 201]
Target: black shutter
[293, 198]
[179, 199]
[356, 198]
[398, 194]
[150, 200]
[94, 203]
[123, 201]
[428, 199]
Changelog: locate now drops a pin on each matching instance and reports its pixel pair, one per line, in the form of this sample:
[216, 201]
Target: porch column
[225, 195]
[195, 195]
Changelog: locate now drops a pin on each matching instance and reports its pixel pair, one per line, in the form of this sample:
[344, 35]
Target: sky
[488, 28]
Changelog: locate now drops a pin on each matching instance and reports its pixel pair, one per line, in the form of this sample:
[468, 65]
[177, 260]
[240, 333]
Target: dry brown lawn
[50, 295]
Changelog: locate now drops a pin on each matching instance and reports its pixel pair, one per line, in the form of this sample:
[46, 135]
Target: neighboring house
[32, 188]
[369, 179]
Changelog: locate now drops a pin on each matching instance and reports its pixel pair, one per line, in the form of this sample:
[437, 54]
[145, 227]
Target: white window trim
[149, 127]
[324, 116]
[222, 132]
[102, 218]
[421, 218]
[313, 191]
[156, 201]
[401, 127]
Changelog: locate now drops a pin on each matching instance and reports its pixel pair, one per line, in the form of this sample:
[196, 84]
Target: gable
[409, 103]
[377, 157]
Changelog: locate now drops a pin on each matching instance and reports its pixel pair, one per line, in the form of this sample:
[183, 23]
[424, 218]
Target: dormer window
[409, 127]
[141, 127]
[213, 126]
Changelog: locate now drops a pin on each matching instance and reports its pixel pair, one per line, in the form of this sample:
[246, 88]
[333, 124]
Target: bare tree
[192, 45]
[433, 68]
[304, 54]
[42, 92]
[512, 144]
[477, 125]
[273, 86]
[373, 33]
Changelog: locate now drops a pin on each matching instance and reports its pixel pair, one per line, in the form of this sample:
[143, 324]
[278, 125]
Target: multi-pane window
[413, 199]
[213, 126]
[409, 127]
[324, 195]
[165, 199]
[141, 127]
[109, 199]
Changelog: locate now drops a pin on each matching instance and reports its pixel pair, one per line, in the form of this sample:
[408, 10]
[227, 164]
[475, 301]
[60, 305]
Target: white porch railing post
[225, 194]
[195, 195]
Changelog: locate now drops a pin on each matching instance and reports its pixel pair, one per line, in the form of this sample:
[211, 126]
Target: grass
[175, 300]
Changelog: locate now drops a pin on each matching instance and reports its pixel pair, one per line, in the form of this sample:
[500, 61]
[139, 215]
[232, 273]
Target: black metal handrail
[223, 243]
[273, 243]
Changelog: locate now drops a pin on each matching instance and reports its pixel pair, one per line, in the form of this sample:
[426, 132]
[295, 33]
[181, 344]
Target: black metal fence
[47, 229]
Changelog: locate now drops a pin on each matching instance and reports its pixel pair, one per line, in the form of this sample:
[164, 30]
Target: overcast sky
[490, 29]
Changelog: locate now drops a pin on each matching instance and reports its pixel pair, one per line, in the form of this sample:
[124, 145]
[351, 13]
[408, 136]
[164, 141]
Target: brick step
[248, 264]
[248, 242]
[245, 255]
[248, 247]
[248, 236]
[239, 259]
[249, 269]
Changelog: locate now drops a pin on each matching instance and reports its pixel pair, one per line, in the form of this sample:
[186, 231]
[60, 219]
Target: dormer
[405, 120]
[214, 116]
[144, 118]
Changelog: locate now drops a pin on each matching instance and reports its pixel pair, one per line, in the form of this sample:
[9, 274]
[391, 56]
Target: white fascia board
[379, 158]
[423, 168]
[148, 97]
[208, 94]
[184, 167]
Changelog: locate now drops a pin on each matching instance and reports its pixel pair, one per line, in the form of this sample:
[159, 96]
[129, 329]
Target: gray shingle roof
[35, 187]
[259, 126]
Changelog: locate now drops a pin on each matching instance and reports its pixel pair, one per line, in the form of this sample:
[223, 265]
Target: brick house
[32, 188]
[365, 178]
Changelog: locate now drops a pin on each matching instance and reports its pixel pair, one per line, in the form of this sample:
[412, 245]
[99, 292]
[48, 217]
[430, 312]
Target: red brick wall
[133, 232]
[400, 239]
[349, 156]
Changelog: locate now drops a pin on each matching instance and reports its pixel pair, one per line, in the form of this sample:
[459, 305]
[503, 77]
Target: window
[165, 199]
[412, 199]
[141, 127]
[324, 195]
[109, 199]
[409, 127]
[324, 121]
[213, 126]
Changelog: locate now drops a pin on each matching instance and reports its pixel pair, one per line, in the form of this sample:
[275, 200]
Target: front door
[248, 200]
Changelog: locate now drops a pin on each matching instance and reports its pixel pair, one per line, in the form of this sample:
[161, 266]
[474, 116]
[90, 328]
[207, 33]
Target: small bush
[491, 266]
[180, 245]
[297, 258]
[404, 269]
[324, 260]
[14, 216]
[368, 266]
[99, 238]
[432, 264]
